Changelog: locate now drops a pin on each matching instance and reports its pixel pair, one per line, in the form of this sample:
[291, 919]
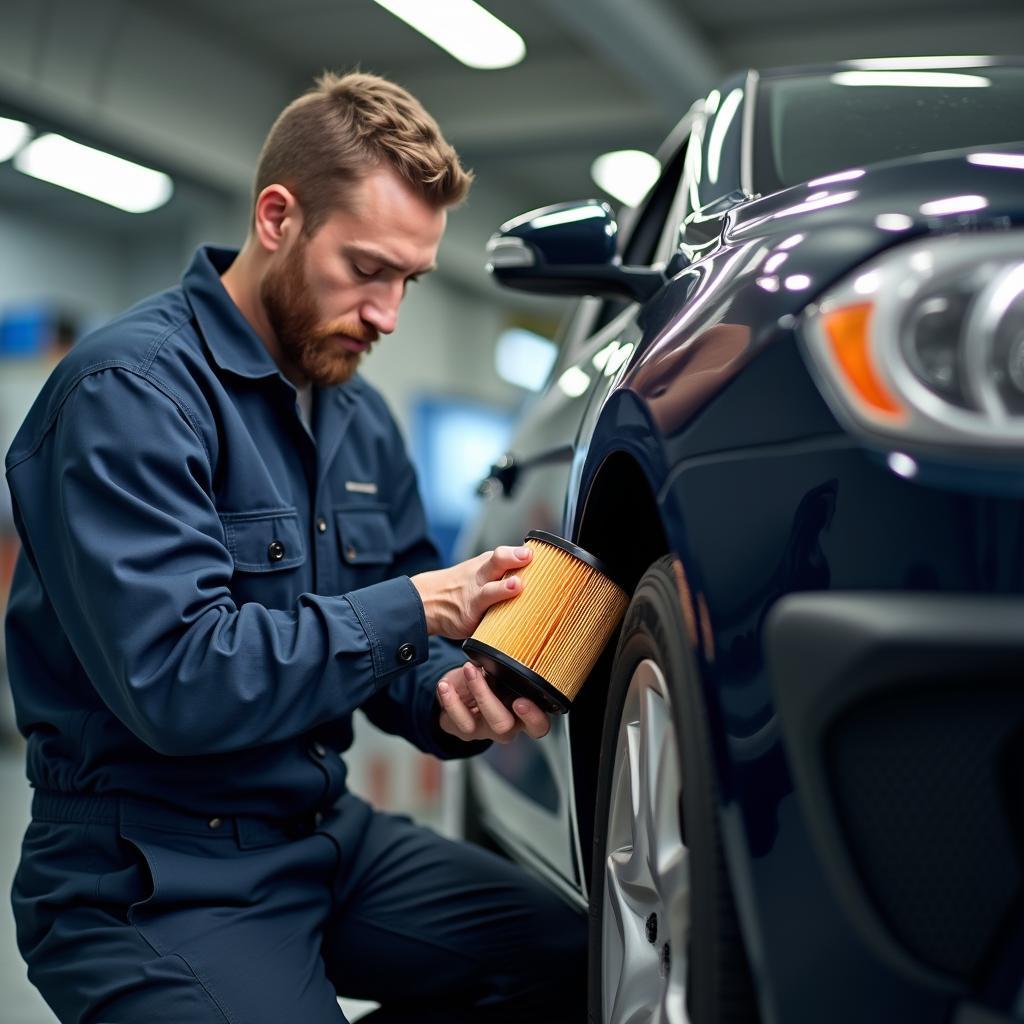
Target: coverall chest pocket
[365, 541]
[264, 544]
[264, 541]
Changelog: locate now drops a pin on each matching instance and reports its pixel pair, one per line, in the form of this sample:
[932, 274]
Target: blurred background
[556, 100]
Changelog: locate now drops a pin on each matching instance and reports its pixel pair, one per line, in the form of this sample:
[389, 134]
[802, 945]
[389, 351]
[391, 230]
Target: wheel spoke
[638, 987]
[635, 763]
[673, 885]
[652, 741]
[672, 1009]
[629, 968]
[632, 885]
[667, 794]
[647, 869]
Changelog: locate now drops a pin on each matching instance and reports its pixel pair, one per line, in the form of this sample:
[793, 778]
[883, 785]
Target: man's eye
[361, 272]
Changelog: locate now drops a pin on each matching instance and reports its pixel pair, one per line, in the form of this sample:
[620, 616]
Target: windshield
[814, 125]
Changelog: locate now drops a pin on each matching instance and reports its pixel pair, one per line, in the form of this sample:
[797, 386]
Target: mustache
[349, 328]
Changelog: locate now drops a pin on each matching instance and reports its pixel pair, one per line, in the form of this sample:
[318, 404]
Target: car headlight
[926, 342]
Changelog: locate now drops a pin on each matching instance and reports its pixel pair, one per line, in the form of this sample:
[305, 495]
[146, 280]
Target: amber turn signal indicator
[848, 332]
[543, 643]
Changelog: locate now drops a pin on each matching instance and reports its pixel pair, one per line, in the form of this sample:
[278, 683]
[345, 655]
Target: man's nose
[381, 312]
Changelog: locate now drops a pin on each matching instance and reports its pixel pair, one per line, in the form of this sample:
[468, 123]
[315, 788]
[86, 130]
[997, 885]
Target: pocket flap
[264, 541]
[365, 535]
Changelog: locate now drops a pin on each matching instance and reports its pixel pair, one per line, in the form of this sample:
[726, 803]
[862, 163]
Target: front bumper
[903, 723]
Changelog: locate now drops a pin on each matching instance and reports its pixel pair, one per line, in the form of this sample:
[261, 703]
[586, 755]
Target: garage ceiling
[598, 75]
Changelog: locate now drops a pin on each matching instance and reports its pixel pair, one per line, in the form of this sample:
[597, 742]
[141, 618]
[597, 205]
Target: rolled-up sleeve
[118, 517]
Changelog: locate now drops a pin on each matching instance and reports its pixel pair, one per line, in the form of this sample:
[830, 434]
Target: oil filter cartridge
[544, 642]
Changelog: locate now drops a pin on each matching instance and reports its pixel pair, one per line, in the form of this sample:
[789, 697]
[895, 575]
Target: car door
[523, 791]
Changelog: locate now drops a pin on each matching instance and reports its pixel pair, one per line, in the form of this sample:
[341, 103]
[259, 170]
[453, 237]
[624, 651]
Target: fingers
[501, 722]
[502, 559]
[496, 592]
[535, 722]
[461, 717]
[471, 710]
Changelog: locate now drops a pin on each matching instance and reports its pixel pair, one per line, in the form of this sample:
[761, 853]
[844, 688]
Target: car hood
[818, 231]
[779, 253]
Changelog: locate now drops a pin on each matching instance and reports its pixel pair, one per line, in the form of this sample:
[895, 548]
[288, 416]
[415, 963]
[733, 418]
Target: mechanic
[224, 555]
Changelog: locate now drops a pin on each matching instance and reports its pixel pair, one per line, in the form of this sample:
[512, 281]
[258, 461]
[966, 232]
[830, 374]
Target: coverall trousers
[127, 913]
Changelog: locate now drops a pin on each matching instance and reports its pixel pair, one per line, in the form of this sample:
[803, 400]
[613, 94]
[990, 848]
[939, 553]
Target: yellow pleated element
[559, 623]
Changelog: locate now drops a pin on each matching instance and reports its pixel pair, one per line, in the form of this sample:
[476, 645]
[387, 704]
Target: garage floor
[20, 1001]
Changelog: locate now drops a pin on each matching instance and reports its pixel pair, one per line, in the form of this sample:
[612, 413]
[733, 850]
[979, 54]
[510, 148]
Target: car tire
[659, 882]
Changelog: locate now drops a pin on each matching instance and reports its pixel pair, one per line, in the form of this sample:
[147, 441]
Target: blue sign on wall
[454, 444]
[25, 330]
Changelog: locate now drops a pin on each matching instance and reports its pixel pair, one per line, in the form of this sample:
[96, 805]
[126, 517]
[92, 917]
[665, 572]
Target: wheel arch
[621, 524]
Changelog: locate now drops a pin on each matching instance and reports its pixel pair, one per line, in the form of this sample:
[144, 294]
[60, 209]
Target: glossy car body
[853, 590]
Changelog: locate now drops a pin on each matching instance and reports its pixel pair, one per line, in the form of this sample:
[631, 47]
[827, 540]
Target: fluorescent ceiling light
[868, 284]
[574, 382]
[96, 174]
[894, 222]
[915, 79]
[626, 174]
[954, 204]
[831, 179]
[524, 358]
[903, 465]
[463, 28]
[1009, 161]
[13, 135]
[818, 201]
[921, 63]
[570, 216]
[718, 130]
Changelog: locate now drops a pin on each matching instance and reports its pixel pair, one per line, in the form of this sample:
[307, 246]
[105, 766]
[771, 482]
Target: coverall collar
[229, 337]
[234, 346]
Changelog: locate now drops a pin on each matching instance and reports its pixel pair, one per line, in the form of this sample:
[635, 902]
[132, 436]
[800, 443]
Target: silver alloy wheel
[645, 921]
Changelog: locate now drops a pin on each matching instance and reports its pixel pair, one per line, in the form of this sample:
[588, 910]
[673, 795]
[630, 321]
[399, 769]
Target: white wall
[41, 261]
[444, 346]
[444, 343]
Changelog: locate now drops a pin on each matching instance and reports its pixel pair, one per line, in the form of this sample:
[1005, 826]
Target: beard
[308, 344]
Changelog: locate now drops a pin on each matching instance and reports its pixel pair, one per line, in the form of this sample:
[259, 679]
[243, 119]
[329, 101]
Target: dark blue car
[791, 416]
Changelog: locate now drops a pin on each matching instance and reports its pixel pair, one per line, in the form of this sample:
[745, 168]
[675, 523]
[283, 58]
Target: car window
[716, 156]
[812, 126]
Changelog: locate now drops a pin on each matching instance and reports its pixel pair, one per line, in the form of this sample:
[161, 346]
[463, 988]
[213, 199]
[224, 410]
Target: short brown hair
[328, 139]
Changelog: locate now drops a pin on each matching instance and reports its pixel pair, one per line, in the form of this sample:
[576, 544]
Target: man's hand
[471, 711]
[455, 599]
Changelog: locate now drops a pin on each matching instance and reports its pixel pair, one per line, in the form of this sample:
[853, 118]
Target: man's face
[330, 296]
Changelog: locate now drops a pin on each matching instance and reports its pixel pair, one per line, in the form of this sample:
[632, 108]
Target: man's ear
[277, 217]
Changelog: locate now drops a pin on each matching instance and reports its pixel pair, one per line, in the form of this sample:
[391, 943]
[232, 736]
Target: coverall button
[318, 818]
[319, 749]
[215, 822]
[275, 551]
[350, 552]
[321, 524]
[406, 652]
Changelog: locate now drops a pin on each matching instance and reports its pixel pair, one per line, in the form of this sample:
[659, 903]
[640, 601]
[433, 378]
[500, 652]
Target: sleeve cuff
[391, 614]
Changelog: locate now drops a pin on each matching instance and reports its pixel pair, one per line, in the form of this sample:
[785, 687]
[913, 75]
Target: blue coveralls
[206, 593]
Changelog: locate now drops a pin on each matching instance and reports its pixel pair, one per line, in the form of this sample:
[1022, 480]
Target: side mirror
[567, 249]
